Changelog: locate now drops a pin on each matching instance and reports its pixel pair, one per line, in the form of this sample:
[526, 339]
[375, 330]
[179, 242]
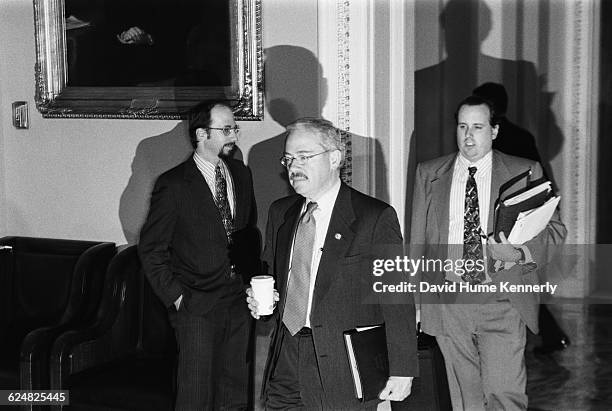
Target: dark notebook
[366, 349]
[507, 210]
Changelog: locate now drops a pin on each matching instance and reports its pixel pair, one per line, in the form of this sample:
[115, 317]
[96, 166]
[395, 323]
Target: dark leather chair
[126, 359]
[47, 286]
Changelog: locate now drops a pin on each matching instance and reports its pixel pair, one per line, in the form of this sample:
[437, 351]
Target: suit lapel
[499, 175]
[241, 202]
[338, 239]
[284, 243]
[441, 188]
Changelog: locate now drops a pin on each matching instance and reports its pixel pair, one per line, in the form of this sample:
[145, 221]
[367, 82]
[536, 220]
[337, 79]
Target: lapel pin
[337, 236]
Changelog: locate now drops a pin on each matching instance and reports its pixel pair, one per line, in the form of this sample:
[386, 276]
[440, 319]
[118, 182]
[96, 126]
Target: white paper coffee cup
[263, 292]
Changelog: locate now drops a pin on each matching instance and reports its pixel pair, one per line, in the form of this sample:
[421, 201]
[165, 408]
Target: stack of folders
[368, 360]
[524, 214]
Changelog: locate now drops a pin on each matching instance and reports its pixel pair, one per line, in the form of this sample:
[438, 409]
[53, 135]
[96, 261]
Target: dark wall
[604, 188]
[601, 281]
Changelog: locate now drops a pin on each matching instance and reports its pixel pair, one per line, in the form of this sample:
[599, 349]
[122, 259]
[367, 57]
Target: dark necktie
[222, 201]
[296, 305]
[472, 243]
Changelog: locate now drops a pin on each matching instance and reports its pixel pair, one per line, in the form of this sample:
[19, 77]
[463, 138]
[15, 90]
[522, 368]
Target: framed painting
[147, 59]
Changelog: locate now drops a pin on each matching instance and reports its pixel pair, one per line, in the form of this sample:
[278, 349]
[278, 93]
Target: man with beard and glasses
[198, 247]
[317, 245]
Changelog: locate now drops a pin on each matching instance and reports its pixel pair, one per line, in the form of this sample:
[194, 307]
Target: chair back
[42, 277]
[46, 285]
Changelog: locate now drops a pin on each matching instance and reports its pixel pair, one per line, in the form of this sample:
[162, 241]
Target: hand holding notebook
[366, 349]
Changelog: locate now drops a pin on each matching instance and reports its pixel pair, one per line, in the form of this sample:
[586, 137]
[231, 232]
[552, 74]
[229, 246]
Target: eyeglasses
[226, 130]
[301, 159]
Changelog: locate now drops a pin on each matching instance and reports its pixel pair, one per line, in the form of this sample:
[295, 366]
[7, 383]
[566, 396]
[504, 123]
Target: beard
[227, 150]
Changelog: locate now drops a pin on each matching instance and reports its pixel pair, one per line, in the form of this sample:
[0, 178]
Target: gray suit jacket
[430, 220]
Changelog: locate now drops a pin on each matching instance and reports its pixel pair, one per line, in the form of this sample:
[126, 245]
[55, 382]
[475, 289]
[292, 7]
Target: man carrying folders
[316, 243]
[517, 141]
[482, 336]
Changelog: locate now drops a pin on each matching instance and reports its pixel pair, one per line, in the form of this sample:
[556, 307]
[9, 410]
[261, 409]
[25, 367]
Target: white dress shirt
[457, 204]
[208, 172]
[322, 215]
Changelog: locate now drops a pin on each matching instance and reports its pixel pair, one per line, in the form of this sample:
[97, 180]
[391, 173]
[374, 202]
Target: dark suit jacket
[183, 244]
[358, 222]
[430, 219]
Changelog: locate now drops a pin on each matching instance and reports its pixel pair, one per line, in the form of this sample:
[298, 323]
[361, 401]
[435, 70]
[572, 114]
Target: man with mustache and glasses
[316, 244]
[198, 246]
[482, 335]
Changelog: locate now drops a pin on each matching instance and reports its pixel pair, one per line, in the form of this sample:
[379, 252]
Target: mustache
[298, 174]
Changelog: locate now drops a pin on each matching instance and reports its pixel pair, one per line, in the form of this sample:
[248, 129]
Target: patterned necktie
[472, 243]
[222, 201]
[296, 305]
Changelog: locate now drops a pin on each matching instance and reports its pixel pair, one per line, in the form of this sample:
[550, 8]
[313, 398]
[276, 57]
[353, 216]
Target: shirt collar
[328, 199]
[202, 161]
[483, 164]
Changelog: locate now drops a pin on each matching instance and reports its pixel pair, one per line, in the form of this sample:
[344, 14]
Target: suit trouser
[295, 381]
[213, 363]
[483, 348]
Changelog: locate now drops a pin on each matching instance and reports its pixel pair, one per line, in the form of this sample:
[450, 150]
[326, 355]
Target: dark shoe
[558, 345]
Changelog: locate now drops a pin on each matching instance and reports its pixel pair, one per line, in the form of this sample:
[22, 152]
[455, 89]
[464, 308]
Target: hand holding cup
[262, 297]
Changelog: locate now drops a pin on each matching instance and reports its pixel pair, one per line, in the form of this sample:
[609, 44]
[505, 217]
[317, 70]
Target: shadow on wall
[295, 88]
[439, 88]
[293, 80]
[153, 156]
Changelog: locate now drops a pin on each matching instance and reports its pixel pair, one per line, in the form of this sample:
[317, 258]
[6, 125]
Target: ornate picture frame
[59, 96]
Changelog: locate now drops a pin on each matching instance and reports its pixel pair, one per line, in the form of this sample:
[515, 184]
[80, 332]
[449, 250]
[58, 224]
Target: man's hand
[252, 302]
[135, 36]
[397, 389]
[502, 251]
